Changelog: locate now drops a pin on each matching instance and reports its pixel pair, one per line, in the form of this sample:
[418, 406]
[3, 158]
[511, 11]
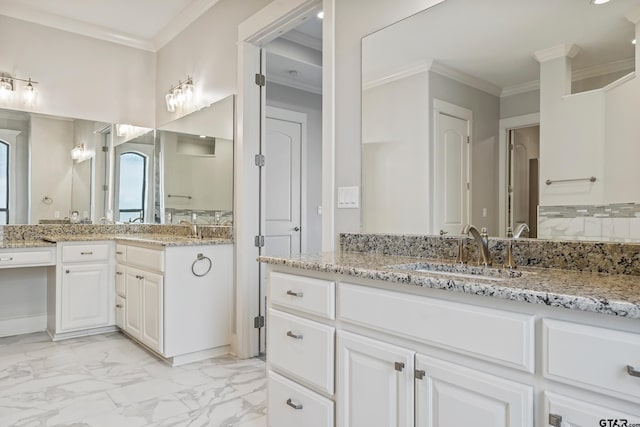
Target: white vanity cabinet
[430, 358]
[176, 300]
[82, 296]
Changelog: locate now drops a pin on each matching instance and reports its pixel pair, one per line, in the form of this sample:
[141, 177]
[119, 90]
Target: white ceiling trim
[404, 73]
[603, 69]
[569, 50]
[466, 79]
[285, 81]
[182, 21]
[520, 88]
[303, 39]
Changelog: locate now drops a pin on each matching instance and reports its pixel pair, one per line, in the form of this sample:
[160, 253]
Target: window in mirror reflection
[4, 183]
[133, 187]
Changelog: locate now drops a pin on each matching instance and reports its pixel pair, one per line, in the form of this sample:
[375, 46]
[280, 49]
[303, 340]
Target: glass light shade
[178, 93]
[6, 89]
[29, 94]
[170, 99]
[189, 91]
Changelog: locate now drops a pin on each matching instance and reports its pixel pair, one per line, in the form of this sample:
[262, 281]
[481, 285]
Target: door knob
[296, 228]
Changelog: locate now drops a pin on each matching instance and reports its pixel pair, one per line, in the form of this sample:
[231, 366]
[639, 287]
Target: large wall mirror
[181, 171]
[469, 108]
[52, 169]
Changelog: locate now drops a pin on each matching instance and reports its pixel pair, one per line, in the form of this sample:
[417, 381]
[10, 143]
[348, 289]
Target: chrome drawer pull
[119, 273]
[294, 336]
[118, 305]
[86, 253]
[295, 294]
[294, 405]
[119, 253]
[632, 371]
[6, 259]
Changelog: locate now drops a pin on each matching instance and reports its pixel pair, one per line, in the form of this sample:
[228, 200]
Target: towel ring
[201, 266]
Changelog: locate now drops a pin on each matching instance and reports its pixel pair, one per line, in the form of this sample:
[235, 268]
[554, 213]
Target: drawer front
[458, 327]
[290, 404]
[27, 258]
[147, 259]
[306, 294]
[120, 311]
[302, 348]
[593, 358]
[82, 253]
[121, 280]
[121, 253]
[582, 413]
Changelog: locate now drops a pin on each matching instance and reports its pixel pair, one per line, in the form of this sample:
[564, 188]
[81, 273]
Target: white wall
[311, 104]
[79, 76]
[355, 19]
[396, 172]
[207, 51]
[51, 142]
[520, 104]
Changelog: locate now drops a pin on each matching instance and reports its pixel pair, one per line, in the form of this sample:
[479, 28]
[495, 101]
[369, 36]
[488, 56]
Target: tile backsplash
[603, 223]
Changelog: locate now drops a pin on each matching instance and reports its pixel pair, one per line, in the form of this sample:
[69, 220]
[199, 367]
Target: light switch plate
[348, 197]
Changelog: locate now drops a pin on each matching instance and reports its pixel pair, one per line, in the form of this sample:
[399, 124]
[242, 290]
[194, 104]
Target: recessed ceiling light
[599, 1]
[320, 14]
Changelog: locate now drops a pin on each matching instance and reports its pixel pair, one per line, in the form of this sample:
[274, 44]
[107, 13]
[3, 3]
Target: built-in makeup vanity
[388, 332]
[169, 292]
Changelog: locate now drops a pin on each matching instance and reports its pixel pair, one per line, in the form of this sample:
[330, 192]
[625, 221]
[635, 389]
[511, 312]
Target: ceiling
[121, 21]
[495, 40]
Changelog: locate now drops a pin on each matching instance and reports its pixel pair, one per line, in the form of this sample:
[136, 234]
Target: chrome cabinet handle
[295, 294]
[632, 371]
[6, 259]
[296, 228]
[294, 336]
[86, 253]
[119, 253]
[67, 271]
[118, 305]
[294, 405]
[119, 273]
[139, 277]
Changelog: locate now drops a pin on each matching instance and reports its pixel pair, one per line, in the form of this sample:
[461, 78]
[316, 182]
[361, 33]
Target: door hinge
[419, 374]
[105, 187]
[555, 420]
[468, 140]
[105, 149]
[261, 79]
[398, 366]
[259, 160]
[258, 322]
[259, 241]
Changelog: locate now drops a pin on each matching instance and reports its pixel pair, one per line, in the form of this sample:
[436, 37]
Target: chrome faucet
[509, 262]
[482, 241]
[193, 228]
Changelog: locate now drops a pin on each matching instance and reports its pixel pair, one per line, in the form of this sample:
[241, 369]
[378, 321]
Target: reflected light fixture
[320, 14]
[599, 1]
[181, 95]
[77, 153]
[633, 41]
[8, 87]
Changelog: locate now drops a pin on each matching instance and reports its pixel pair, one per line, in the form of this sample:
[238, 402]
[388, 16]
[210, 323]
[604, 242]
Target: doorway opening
[523, 178]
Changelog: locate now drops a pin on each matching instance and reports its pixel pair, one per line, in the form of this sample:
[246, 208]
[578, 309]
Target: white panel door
[453, 395]
[282, 187]
[375, 383]
[452, 174]
[152, 311]
[133, 315]
[85, 296]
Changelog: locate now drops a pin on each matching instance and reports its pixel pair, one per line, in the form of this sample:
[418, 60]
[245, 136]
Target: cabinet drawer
[147, 259]
[121, 280]
[121, 253]
[27, 258]
[302, 348]
[499, 336]
[82, 253]
[306, 294]
[582, 413]
[291, 404]
[592, 358]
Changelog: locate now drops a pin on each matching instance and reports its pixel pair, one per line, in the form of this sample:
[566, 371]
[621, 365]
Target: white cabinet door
[152, 300]
[121, 280]
[133, 307]
[453, 395]
[562, 411]
[85, 296]
[121, 303]
[375, 383]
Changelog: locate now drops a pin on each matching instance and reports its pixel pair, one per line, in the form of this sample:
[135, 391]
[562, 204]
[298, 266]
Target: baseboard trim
[23, 325]
[83, 333]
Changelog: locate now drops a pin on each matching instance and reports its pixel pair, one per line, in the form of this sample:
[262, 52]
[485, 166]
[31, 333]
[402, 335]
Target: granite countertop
[615, 294]
[152, 239]
[25, 244]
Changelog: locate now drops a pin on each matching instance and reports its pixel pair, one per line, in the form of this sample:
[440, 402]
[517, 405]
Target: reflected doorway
[523, 179]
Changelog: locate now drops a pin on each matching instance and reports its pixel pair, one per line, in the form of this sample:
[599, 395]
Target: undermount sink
[459, 270]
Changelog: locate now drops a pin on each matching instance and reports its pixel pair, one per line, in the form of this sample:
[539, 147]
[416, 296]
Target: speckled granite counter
[25, 244]
[614, 294]
[150, 239]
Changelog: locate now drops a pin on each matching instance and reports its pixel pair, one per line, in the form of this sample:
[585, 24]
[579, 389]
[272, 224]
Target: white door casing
[452, 181]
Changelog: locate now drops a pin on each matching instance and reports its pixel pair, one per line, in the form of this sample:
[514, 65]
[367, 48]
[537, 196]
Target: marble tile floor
[109, 381]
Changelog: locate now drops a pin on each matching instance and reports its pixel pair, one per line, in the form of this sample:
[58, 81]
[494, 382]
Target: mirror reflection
[469, 109]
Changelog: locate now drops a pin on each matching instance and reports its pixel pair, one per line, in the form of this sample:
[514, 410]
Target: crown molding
[180, 22]
[520, 88]
[466, 79]
[401, 74]
[634, 15]
[284, 81]
[303, 39]
[603, 69]
[568, 50]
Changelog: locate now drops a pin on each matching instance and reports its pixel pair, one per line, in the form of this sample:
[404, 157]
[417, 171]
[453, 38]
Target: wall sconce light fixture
[181, 95]
[8, 86]
[78, 153]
